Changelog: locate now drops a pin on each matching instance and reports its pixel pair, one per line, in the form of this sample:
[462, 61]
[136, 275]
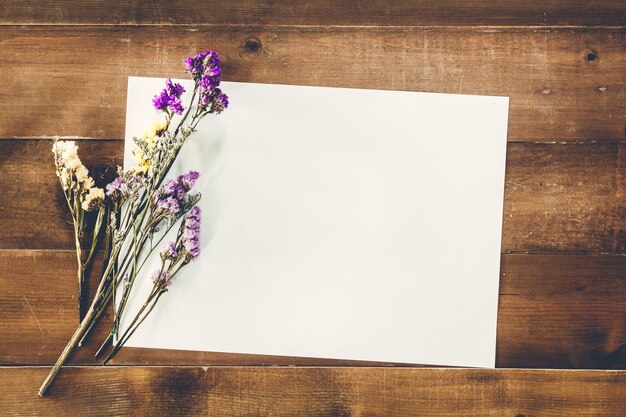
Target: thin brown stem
[66, 353]
[80, 269]
[132, 330]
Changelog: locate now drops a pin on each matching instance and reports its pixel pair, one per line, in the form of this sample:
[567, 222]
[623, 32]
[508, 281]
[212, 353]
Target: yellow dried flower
[151, 137]
[142, 163]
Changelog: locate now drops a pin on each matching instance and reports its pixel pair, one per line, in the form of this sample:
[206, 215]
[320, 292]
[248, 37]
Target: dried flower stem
[85, 323]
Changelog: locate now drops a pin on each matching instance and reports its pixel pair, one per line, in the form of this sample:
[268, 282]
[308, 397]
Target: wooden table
[562, 306]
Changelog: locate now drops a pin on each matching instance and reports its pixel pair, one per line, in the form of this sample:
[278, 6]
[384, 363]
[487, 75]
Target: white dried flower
[70, 169]
[65, 149]
[65, 176]
[81, 173]
[73, 162]
[93, 198]
[87, 184]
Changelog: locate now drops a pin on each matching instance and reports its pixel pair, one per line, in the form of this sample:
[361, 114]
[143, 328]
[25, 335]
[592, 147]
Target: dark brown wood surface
[565, 84]
[563, 271]
[317, 12]
[323, 392]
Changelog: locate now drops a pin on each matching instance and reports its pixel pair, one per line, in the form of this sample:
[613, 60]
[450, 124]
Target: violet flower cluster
[123, 187]
[168, 100]
[186, 248]
[161, 277]
[117, 188]
[173, 197]
[176, 254]
[190, 238]
[205, 70]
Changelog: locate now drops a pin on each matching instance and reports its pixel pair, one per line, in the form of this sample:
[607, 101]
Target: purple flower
[169, 98]
[214, 101]
[190, 238]
[168, 206]
[117, 188]
[206, 71]
[174, 88]
[202, 64]
[190, 66]
[169, 252]
[171, 196]
[161, 276]
[210, 81]
[172, 188]
[220, 103]
[156, 275]
[188, 180]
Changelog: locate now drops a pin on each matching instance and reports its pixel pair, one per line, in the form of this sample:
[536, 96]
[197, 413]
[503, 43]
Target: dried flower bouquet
[139, 207]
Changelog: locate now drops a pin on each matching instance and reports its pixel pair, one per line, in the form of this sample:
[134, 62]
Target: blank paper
[338, 223]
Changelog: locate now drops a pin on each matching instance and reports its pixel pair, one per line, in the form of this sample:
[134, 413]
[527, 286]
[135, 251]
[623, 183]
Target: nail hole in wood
[592, 56]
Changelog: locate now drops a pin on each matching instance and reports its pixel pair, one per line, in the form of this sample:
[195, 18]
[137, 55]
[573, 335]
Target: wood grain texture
[328, 392]
[318, 12]
[64, 66]
[562, 312]
[564, 84]
[558, 197]
[565, 198]
[555, 311]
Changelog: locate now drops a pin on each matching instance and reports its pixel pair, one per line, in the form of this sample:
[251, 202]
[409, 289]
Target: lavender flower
[124, 186]
[169, 252]
[169, 99]
[177, 189]
[210, 80]
[190, 238]
[188, 180]
[202, 64]
[172, 188]
[205, 70]
[214, 101]
[191, 67]
[117, 188]
[159, 276]
[220, 102]
[168, 206]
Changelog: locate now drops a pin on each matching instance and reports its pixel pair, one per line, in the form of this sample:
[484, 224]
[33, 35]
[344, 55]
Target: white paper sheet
[338, 223]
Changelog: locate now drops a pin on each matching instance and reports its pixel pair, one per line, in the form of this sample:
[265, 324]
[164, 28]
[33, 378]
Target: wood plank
[565, 198]
[565, 84]
[558, 197]
[319, 12]
[564, 311]
[91, 391]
